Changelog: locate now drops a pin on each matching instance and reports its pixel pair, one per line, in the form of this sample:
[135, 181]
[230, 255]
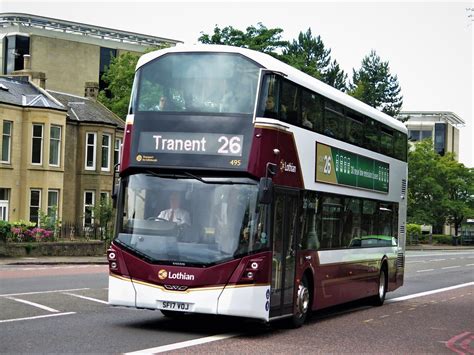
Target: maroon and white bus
[248, 188]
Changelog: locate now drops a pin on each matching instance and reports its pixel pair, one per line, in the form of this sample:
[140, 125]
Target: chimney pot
[26, 62]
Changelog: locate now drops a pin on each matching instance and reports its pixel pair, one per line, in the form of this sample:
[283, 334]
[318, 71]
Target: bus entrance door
[285, 214]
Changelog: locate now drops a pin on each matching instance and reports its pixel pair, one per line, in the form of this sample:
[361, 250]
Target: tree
[259, 38]
[424, 188]
[440, 189]
[458, 182]
[374, 85]
[309, 55]
[119, 79]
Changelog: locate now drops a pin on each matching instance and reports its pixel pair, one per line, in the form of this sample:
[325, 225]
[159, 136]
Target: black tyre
[379, 298]
[303, 303]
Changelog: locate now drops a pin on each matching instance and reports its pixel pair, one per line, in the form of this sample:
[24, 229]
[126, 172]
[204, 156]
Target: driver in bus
[175, 213]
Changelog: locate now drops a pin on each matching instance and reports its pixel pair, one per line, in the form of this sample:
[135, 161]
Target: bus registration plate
[175, 306]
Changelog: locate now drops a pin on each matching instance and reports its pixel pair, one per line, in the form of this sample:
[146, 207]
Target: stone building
[32, 150]
[94, 137]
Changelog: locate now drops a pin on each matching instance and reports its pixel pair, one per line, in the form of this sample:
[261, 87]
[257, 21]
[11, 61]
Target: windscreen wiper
[216, 182]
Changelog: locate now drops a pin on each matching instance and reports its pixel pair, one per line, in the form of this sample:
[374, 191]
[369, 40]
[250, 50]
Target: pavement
[99, 260]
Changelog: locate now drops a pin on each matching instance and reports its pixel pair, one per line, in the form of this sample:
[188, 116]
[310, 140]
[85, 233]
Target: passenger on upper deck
[270, 109]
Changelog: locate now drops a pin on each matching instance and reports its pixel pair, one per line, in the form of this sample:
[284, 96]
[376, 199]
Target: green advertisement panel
[340, 167]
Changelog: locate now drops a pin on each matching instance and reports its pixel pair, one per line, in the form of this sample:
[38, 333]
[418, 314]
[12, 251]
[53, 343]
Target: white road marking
[437, 259]
[86, 298]
[41, 292]
[184, 344]
[58, 267]
[450, 267]
[426, 270]
[469, 264]
[430, 255]
[37, 305]
[36, 317]
[421, 294]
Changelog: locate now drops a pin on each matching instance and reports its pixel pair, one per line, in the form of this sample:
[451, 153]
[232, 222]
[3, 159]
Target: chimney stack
[36, 77]
[91, 90]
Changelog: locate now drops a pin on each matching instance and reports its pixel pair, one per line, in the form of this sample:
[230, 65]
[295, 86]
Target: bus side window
[311, 111]
[270, 97]
[289, 102]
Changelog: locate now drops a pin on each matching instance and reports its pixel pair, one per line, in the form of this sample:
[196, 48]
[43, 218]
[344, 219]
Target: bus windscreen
[191, 221]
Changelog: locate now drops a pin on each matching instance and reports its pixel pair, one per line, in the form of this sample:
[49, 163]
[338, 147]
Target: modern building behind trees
[441, 126]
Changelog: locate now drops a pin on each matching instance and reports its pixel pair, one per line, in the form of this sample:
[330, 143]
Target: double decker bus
[248, 188]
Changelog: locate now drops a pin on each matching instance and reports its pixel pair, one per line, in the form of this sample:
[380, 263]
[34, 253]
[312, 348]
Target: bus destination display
[190, 143]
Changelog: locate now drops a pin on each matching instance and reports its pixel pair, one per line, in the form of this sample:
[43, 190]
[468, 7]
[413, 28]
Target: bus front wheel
[303, 301]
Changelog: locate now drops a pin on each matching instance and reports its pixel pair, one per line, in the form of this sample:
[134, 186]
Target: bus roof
[293, 74]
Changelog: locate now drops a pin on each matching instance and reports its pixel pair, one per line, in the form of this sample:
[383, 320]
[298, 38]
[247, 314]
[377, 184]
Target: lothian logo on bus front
[163, 274]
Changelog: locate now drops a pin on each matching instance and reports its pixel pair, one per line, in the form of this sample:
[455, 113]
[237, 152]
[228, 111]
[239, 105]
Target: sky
[429, 44]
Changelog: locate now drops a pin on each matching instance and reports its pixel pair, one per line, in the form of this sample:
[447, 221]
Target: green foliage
[309, 55]
[440, 189]
[442, 239]
[458, 184]
[5, 227]
[258, 38]
[103, 216]
[119, 78]
[374, 85]
[51, 221]
[414, 232]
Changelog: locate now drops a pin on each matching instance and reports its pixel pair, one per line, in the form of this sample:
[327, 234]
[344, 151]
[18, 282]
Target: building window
[37, 144]
[89, 201]
[104, 196]
[105, 165]
[6, 141]
[35, 205]
[90, 150]
[55, 145]
[53, 201]
[440, 138]
[16, 46]
[117, 149]
[4, 198]
[106, 56]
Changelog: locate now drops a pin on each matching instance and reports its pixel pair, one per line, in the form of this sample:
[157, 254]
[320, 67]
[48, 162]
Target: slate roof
[82, 109]
[18, 91]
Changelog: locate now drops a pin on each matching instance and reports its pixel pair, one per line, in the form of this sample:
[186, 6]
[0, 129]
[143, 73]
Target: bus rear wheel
[379, 298]
[303, 301]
